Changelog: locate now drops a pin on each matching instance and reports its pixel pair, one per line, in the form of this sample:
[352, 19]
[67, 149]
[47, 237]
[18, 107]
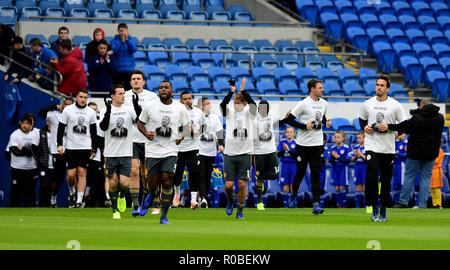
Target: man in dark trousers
[425, 132]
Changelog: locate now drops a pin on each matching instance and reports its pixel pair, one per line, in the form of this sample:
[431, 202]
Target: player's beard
[166, 98]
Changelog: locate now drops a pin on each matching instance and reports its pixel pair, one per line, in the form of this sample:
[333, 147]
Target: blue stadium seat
[192, 5]
[343, 124]
[356, 124]
[218, 74]
[183, 59]
[367, 75]
[284, 75]
[441, 50]
[395, 87]
[350, 20]
[409, 22]
[174, 15]
[402, 8]
[370, 89]
[160, 59]
[390, 22]
[377, 34]
[332, 62]
[44, 4]
[308, 10]
[151, 14]
[332, 24]
[21, 4]
[242, 60]
[79, 13]
[92, 5]
[143, 5]
[79, 40]
[249, 87]
[349, 88]
[413, 70]
[202, 87]
[203, 60]
[445, 63]
[370, 20]
[216, 44]
[439, 84]
[219, 60]
[384, 8]
[241, 44]
[435, 36]
[416, 36]
[423, 50]
[403, 49]
[168, 5]
[54, 12]
[363, 7]
[314, 62]
[327, 75]
[221, 87]
[286, 46]
[444, 22]
[238, 73]
[345, 6]
[262, 74]
[175, 72]
[151, 40]
[29, 37]
[422, 8]
[198, 15]
[347, 76]
[196, 73]
[304, 74]
[358, 38]
[288, 61]
[326, 6]
[289, 88]
[397, 35]
[267, 88]
[140, 59]
[266, 60]
[8, 15]
[153, 72]
[30, 11]
[241, 17]
[428, 22]
[263, 45]
[153, 85]
[181, 85]
[128, 14]
[331, 86]
[170, 42]
[440, 9]
[220, 16]
[386, 56]
[430, 63]
[103, 13]
[71, 4]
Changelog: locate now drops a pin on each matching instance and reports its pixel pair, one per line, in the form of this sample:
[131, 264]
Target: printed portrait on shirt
[164, 130]
[318, 119]
[206, 135]
[265, 135]
[240, 131]
[80, 128]
[119, 130]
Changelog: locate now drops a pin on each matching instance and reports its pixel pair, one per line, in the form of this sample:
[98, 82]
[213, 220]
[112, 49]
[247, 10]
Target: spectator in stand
[72, 69]
[19, 57]
[92, 48]
[63, 33]
[124, 47]
[44, 56]
[6, 41]
[101, 67]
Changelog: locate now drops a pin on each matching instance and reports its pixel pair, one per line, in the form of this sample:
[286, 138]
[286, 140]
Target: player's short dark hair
[36, 42]
[102, 42]
[26, 118]
[92, 103]
[112, 91]
[83, 91]
[139, 72]
[166, 81]
[385, 78]
[122, 25]
[63, 28]
[184, 93]
[312, 83]
[18, 40]
[65, 44]
[340, 132]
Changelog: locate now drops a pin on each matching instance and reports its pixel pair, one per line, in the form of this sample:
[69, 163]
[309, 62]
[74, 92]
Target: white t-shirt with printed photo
[78, 121]
[239, 132]
[309, 110]
[191, 142]
[265, 135]
[18, 137]
[53, 119]
[144, 97]
[207, 145]
[118, 136]
[389, 111]
[165, 121]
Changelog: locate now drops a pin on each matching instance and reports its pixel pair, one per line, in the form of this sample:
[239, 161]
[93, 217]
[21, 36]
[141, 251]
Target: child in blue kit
[340, 158]
[399, 165]
[359, 157]
[286, 153]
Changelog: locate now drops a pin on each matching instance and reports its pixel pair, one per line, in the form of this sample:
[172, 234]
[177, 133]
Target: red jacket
[72, 69]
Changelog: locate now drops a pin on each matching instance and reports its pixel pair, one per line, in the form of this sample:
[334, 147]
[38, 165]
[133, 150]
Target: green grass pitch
[212, 229]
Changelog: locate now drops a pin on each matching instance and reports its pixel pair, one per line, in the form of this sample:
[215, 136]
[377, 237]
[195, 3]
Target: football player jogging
[374, 116]
[238, 145]
[311, 112]
[80, 121]
[137, 97]
[118, 146]
[266, 160]
[164, 122]
[188, 152]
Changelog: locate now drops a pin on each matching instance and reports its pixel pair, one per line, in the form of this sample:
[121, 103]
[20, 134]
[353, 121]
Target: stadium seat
[153, 72]
[345, 6]
[266, 60]
[397, 35]
[423, 50]
[20, 4]
[174, 15]
[197, 73]
[331, 86]
[181, 85]
[191, 5]
[79, 13]
[363, 7]
[242, 60]
[286, 46]
[350, 88]
[223, 60]
[103, 13]
[216, 44]
[384, 8]
[422, 8]
[347, 76]
[44, 4]
[153, 85]
[221, 87]
[284, 75]
[54, 12]
[416, 36]
[143, 5]
[172, 42]
[358, 38]
[386, 56]
[436, 36]
[367, 75]
[29, 37]
[403, 49]
[267, 88]
[409, 22]
[314, 62]
[220, 16]
[198, 15]
[175, 72]
[287, 86]
[71, 4]
[262, 74]
[439, 84]
[440, 9]
[428, 22]
[183, 59]
[30, 11]
[402, 8]
[444, 22]
[128, 14]
[160, 59]
[332, 24]
[377, 34]
[308, 10]
[304, 74]
[249, 87]
[332, 62]
[441, 50]
[203, 60]
[413, 70]
[343, 124]
[202, 87]
[218, 74]
[288, 61]
[370, 89]
[327, 75]
[370, 21]
[390, 22]
[326, 6]
[430, 63]
[350, 20]
[238, 73]
[92, 5]
[8, 15]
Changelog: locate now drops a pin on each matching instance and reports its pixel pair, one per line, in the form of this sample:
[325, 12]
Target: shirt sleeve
[12, 140]
[297, 110]
[64, 117]
[143, 117]
[363, 113]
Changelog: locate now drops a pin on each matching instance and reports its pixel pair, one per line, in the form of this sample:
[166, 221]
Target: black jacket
[425, 132]
[20, 58]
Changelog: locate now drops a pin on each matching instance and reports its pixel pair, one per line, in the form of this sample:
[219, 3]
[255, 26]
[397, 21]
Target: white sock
[53, 200]
[177, 189]
[194, 196]
[80, 197]
[107, 196]
[72, 190]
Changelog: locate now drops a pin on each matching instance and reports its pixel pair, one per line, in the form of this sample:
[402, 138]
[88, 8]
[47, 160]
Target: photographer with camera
[425, 133]
[309, 149]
